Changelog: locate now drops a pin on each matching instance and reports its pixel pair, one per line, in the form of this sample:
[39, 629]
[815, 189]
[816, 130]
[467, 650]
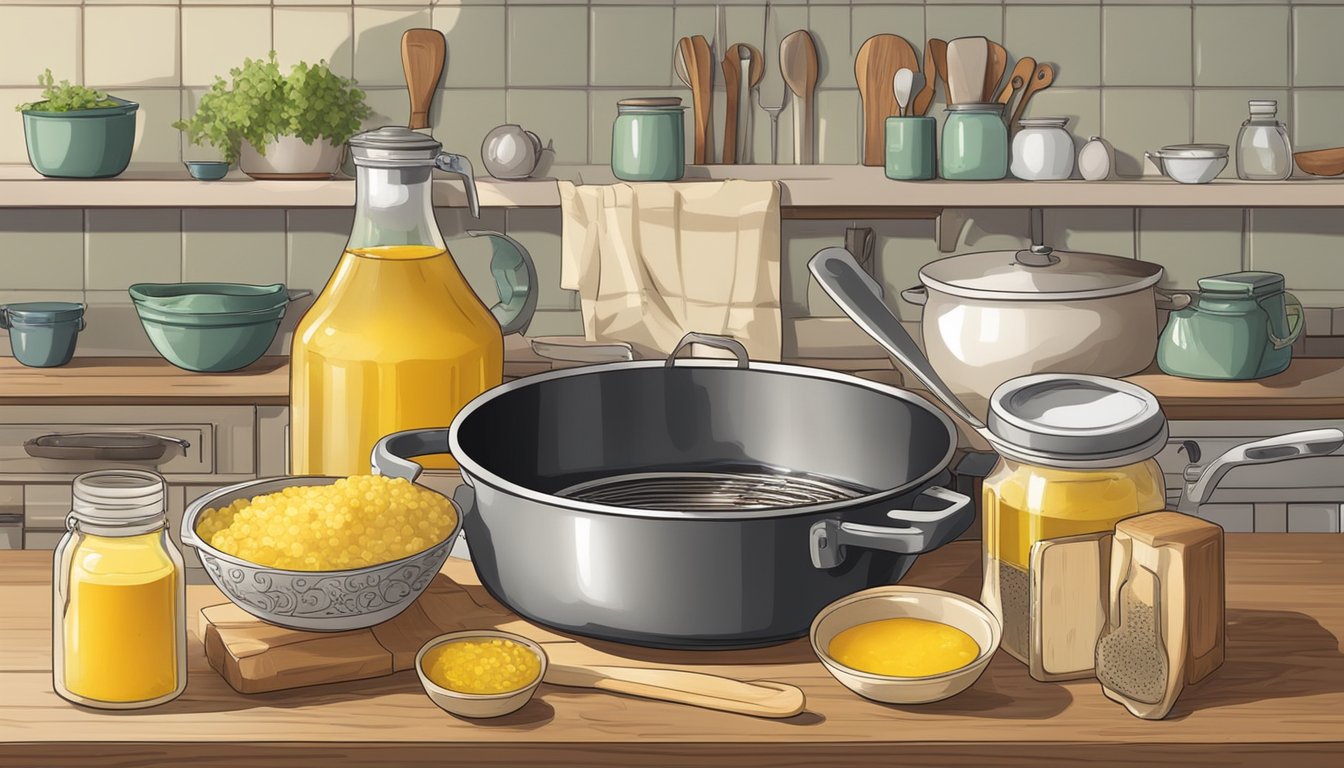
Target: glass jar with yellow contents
[1076, 457]
[119, 629]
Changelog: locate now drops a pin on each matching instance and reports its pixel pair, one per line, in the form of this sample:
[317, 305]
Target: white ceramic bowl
[1191, 163]
[479, 705]
[894, 602]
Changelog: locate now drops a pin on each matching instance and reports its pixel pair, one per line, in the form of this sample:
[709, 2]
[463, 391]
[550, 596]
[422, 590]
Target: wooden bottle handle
[760, 699]
[423, 52]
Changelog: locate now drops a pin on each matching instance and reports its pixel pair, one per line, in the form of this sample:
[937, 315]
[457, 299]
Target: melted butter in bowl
[904, 647]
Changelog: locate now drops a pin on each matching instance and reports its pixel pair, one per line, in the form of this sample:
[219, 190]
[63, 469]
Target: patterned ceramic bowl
[317, 601]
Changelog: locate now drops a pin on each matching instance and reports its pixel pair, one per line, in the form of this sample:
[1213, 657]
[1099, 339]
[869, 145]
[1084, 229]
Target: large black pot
[706, 504]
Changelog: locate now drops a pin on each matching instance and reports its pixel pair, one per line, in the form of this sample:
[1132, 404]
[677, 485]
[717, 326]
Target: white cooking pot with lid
[996, 315]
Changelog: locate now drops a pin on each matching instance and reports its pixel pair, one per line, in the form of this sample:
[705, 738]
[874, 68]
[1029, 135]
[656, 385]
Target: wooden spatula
[1040, 80]
[967, 58]
[798, 65]
[924, 98]
[880, 57]
[994, 69]
[762, 699]
[732, 84]
[1022, 71]
[423, 52]
[693, 53]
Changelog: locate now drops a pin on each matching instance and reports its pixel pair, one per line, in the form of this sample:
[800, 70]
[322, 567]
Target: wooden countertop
[1278, 699]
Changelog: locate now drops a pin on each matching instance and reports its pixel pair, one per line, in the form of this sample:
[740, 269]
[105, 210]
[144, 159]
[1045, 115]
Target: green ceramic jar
[911, 148]
[42, 334]
[1241, 326]
[648, 140]
[975, 143]
[82, 143]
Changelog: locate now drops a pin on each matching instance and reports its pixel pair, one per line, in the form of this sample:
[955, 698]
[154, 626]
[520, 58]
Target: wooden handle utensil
[761, 699]
[798, 65]
[423, 52]
[920, 105]
[998, 63]
[694, 52]
[732, 85]
[967, 58]
[1040, 80]
[1022, 71]
[879, 59]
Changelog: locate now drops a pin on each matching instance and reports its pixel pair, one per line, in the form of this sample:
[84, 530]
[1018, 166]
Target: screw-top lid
[44, 312]
[118, 502]
[394, 146]
[1263, 107]
[1073, 420]
[669, 101]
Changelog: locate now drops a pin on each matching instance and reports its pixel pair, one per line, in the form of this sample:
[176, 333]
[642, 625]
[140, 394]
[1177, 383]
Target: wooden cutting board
[256, 657]
[876, 65]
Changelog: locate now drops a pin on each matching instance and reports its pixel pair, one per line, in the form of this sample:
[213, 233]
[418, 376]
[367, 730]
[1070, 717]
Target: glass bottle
[397, 339]
[119, 618]
[1264, 152]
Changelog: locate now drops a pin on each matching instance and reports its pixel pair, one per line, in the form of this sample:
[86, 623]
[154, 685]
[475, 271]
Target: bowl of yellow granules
[480, 673]
[324, 554]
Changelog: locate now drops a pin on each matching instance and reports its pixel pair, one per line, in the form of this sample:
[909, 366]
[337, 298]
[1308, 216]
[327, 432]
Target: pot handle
[392, 455]
[1295, 322]
[919, 295]
[1172, 300]
[515, 281]
[710, 340]
[920, 530]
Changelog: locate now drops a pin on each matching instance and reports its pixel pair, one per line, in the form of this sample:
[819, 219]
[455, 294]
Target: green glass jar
[1241, 326]
[648, 140]
[975, 143]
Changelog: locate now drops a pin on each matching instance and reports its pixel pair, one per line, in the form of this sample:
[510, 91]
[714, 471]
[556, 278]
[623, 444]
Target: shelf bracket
[947, 229]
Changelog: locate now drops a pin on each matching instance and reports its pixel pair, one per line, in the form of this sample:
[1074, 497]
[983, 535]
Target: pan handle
[392, 455]
[710, 340]
[918, 530]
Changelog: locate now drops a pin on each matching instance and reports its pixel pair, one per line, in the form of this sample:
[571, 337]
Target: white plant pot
[288, 157]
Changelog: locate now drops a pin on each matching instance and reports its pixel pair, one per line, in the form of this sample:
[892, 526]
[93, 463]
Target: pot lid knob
[1037, 256]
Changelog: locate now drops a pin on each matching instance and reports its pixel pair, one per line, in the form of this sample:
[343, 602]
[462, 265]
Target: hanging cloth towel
[654, 261]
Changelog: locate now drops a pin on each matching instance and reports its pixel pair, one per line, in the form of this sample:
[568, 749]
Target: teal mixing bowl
[209, 298]
[212, 342]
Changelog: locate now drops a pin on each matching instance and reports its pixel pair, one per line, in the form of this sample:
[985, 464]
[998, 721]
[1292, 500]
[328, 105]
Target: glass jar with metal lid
[975, 143]
[648, 140]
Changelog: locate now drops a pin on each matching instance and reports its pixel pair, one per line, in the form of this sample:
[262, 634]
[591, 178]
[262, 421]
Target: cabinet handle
[103, 446]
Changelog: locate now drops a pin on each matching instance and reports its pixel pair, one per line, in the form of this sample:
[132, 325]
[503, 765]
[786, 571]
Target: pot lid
[394, 146]
[1243, 283]
[43, 312]
[1071, 418]
[1038, 273]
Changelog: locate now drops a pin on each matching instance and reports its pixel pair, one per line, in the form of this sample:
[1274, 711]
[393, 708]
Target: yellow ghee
[486, 666]
[903, 647]
[352, 523]
[121, 624]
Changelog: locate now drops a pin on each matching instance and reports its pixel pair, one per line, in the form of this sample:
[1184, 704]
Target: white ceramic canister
[1043, 150]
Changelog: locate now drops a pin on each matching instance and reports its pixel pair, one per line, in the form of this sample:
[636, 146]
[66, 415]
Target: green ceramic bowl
[209, 298]
[207, 170]
[211, 343]
[81, 144]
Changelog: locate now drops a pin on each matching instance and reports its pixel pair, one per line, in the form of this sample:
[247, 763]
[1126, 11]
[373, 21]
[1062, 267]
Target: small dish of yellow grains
[480, 673]
[354, 522]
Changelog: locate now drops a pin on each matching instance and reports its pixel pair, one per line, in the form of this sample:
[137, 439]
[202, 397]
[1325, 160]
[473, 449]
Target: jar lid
[977, 106]
[1075, 419]
[118, 502]
[394, 146]
[670, 101]
[1039, 273]
[1243, 283]
[1263, 106]
[44, 312]
[1043, 122]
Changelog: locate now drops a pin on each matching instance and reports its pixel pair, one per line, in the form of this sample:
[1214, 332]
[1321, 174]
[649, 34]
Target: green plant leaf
[64, 97]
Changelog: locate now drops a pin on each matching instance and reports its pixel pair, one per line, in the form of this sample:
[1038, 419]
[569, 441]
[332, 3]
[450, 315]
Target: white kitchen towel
[654, 261]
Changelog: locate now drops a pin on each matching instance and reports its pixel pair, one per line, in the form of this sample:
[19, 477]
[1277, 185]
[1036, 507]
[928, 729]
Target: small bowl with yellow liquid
[905, 645]
[480, 673]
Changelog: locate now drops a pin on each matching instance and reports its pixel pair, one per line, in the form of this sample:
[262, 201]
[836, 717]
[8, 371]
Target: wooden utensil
[998, 63]
[752, 64]
[880, 58]
[925, 96]
[967, 58]
[761, 699]
[423, 52]
[680, 53]
[1024, 69]
[732, 86]
[798, 65]
[1040, 80]
[694, 52]
[1321, 162]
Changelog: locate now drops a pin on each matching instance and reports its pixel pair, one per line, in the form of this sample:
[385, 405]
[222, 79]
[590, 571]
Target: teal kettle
[1240, 326]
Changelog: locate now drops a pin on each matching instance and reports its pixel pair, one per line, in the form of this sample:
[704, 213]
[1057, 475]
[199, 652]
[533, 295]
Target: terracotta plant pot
[288, 157]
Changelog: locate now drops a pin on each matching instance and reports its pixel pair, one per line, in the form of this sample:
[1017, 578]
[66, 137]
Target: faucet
[1201, 481]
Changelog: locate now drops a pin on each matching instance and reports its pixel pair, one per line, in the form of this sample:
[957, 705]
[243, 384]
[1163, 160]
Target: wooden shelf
[839, 190]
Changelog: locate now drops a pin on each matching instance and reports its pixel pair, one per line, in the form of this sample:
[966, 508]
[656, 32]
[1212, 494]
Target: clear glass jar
[119, 615]
[975, 143]
[1264, 152]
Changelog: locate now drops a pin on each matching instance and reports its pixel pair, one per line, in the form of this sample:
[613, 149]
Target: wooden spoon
[967, 58]
[798, 65]
[1040, 80]
[732, 85]
[998, 63]
[423, 52]
[762, 699]
[694, 52]
[752, 65]
[924, 98]
[1025, 68]
[879, 59]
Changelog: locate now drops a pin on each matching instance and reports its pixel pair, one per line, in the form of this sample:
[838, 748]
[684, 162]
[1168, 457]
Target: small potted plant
[75, 132]
[279, 126]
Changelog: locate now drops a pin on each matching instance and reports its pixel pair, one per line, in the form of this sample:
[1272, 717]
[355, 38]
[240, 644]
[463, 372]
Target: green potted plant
[75, 132]
[276, 125]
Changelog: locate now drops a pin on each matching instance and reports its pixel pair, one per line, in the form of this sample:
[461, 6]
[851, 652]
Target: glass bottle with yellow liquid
[119, 618]
[397, 339]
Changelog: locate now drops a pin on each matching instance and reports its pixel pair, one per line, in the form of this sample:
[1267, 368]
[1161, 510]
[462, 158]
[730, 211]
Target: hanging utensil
[967, 58]
[694, 58]
[679, 65]
[752, 67]
[1022, 71]
[798, 65]
[901, 85]
[1040, 80]
[770, 42]
[423, 52]
[994, 69]
[880, 57]
[732, 86]
[924, 98]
